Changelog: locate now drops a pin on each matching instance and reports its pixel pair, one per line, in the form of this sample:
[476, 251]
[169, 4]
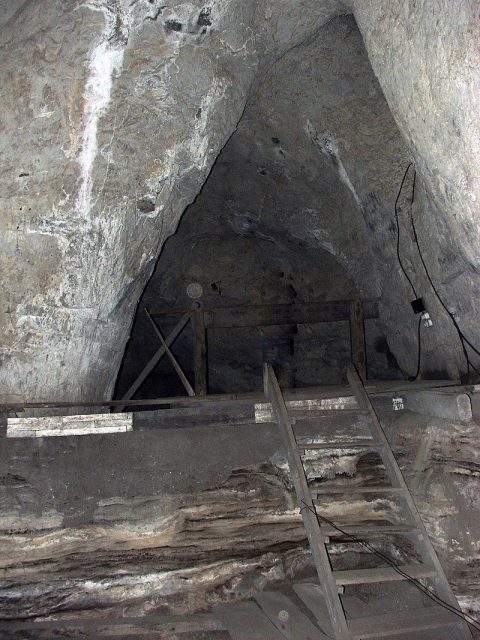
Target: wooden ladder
[318, 533]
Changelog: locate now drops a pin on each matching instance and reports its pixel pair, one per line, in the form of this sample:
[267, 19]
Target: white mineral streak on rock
[105, 60]
[328, 146]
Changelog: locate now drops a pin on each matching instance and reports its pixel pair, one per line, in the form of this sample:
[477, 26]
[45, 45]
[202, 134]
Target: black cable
[419, 337]
[472, 622]
[420, 320]
[419, 342]
[398, 230]
[463, 338]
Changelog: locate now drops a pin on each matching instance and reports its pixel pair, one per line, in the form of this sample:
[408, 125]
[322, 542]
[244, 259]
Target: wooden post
[199, 352]
[357, 337]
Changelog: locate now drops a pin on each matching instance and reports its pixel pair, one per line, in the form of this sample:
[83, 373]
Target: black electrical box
[418, 305]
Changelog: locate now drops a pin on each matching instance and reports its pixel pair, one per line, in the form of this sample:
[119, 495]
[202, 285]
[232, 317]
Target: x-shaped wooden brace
[157, 356]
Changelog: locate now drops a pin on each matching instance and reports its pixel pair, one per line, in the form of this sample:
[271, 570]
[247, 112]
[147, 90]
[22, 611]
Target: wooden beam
[377, 389]
[284, 314]
[357, 335]
[246, 621]
[188, 387]
[278, 314]
[200, 352]
[159, 623]
[151, 364]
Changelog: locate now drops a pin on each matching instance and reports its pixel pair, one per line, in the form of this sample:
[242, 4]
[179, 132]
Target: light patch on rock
[106, 59]
[328, 146]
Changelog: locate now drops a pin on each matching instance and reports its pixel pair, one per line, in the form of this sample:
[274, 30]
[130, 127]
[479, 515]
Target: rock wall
[114, 113]
[206, 514]
[425, 57]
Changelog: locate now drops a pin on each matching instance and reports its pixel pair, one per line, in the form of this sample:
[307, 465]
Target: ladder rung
[367, 529]
[401, 622]
[382, 574]
[322, 491]
[341, 445]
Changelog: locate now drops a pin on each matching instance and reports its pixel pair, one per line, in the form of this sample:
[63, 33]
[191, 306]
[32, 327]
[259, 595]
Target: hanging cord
[472, 622]
[398, 230]
[419, 342]
[419, 330]
[463, 339]
[419, 337]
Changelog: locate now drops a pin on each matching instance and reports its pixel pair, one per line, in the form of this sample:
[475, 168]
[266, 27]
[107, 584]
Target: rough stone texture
[206, 514]
[425, 56]
[113, 113]
[320, 180]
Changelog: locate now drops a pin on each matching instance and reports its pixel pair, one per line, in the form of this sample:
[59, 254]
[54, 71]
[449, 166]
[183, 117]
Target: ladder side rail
[315, 536]
[391, 466]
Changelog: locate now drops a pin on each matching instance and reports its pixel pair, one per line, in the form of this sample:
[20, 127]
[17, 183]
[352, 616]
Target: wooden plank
[287, 617]
[363, 444]
[368, 529]
[200, 352]
[245, 621]
[312, 596]
[188, 387]
[80, 425]
[165, 623]
[381, 574]
[379, 389]
[357, 335]
[389, 624]
[203, 414]
[310, 407]
[357, 490]
[151, 364]
[284, 314]
[315, 537]
[441, 404]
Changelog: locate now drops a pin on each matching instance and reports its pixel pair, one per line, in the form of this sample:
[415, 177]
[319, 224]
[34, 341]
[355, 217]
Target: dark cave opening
[279, 220]
[302, 205]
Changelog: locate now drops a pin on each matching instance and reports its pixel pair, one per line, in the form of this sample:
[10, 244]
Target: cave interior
[226, 161]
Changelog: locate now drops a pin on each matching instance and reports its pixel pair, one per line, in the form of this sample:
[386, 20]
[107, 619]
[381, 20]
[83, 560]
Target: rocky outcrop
[114, 113]
[424, 55]
[187, 530]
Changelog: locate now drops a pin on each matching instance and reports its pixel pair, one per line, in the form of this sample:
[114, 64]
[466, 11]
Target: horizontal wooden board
[46, 426]
[376, 389]
[381, 574]
[285, 314]
[381, 626]
[245, 621]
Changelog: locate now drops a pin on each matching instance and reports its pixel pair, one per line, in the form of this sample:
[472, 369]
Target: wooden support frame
[200, 352]
[357, 337]
[154, 360]
[188, 387]
[278, 314]
[247, 316]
